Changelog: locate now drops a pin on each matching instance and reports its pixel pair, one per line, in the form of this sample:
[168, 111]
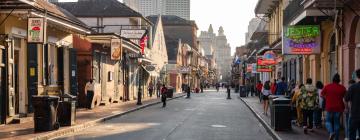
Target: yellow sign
[32, 71]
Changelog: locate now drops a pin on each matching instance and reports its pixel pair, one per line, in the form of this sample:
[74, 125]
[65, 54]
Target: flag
[143, 43]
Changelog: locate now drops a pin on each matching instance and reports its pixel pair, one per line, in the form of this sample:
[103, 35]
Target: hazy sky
[233, 15]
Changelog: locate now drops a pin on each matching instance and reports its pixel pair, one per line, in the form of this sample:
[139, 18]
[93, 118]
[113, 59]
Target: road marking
[218, 126]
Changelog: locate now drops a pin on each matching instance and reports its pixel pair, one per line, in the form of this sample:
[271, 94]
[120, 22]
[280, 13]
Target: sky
[233, 15]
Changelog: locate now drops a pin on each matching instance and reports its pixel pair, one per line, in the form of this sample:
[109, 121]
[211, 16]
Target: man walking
[163, 95]
[308, 102]
[334, 94]
[353, 97]
[282, 87]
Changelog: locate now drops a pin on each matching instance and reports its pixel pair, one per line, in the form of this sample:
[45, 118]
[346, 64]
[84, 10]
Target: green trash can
[45, 113]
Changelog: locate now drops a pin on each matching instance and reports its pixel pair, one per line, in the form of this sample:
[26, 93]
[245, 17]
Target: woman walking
[295, 100]
[265, 96]
[308, 102]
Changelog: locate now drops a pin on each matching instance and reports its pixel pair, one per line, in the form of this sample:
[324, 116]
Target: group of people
[161, 91]
[312, 102]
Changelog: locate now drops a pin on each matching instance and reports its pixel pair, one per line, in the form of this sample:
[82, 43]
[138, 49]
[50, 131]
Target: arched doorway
[357, 43]
[332, 56]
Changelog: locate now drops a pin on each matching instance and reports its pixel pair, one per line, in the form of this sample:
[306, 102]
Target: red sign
[264, 68]
[249, 68]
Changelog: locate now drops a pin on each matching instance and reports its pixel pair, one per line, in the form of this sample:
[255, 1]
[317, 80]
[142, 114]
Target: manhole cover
[218, 126]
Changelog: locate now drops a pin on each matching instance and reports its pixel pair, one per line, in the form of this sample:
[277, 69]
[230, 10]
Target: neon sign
[304, 39]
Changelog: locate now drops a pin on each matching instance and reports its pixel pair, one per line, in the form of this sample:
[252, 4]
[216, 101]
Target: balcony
[265, 6]
[297, 10]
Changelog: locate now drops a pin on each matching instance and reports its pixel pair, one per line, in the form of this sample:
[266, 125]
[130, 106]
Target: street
[206, 116]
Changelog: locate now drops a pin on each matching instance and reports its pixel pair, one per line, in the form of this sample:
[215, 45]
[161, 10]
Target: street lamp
[140, 75]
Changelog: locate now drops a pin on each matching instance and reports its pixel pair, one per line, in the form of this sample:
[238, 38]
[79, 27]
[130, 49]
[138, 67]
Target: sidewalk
[296, 132]
[84, 118]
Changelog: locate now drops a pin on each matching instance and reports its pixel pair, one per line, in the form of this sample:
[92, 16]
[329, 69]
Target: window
[52, 64]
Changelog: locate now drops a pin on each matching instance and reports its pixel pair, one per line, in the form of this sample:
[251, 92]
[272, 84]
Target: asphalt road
[206, 116]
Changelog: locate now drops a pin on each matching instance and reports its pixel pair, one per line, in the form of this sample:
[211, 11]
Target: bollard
[228, 93]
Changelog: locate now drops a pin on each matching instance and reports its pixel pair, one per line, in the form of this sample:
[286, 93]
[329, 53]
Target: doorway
[2, 85]
[332, 57]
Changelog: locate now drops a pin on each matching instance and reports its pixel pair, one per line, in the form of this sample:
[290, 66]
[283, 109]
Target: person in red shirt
[334, 94]
[259, 87]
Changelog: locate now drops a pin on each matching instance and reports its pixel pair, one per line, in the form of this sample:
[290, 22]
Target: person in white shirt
[89, 90]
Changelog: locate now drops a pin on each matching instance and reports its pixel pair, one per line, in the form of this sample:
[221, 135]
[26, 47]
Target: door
[126, 79]
[2, 85]
[32, 71]
[73, 74]
[10, 79]
[116, 78]
[60, 63]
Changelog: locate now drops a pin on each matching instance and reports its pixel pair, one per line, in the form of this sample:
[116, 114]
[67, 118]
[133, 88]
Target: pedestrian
[188, 91]
[353, 98]
[158, 88]
[347, 114]
[281, 87]
[151, 89]
[259, 87]
[202, 88]
[334, 94]
[296, 102]
[308, 102]
[217, 85]
[89, 90]
[265, 96]
[163, 95]
[319, 110]
[273, 87]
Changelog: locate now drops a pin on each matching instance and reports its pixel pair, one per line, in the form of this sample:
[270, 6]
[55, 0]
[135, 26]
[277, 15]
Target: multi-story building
[179, 8]
[223, 55]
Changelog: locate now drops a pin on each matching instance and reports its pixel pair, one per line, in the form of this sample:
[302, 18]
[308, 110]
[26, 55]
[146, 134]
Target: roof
[155, 20]
[175, 20]
[172, 47]
[43, 6]
[95, 8]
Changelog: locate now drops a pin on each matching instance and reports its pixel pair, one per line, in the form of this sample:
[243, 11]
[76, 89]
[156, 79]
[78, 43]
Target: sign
[260, 68]
[302, 40]
[254, 68]
[133, 34]
[184, 70]
[150, 67]
[263, 66]
[249, 68]
[116, 49]
[35, 30]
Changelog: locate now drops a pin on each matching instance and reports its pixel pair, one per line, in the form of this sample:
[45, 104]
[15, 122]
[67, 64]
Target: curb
[77, 128]
[267, 127]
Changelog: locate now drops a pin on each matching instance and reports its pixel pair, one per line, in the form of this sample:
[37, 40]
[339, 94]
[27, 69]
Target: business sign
[263, 66]
[269, 58]
[184, 70]
[116, 49]
[301, 40]
[249, 68]
[133, 34]
[260, 68]
[35, 30]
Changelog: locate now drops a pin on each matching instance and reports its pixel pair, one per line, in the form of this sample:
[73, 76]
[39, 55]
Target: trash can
[170, 92]
[280, 113]
[242, 91]
[67, 110]
[45, 110]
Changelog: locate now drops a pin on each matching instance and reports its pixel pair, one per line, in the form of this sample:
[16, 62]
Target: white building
[179, 8]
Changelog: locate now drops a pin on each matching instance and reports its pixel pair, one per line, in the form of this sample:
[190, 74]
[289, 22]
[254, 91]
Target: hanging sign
[301, 40]
[269, 58]
[116, 49]
[35, 30]
[262, 66]
[133, 34]
[249, 68]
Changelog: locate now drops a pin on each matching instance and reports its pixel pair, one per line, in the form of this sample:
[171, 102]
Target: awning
[151, 73]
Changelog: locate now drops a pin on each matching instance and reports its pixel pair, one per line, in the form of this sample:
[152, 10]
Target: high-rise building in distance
[179, 8]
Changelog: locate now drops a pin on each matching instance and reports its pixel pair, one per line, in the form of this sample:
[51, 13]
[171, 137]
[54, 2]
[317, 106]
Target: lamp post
[139, 74]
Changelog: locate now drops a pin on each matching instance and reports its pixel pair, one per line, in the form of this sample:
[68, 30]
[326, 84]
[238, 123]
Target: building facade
[179, 8]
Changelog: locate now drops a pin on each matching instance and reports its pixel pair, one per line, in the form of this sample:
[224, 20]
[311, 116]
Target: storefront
[37, 55]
